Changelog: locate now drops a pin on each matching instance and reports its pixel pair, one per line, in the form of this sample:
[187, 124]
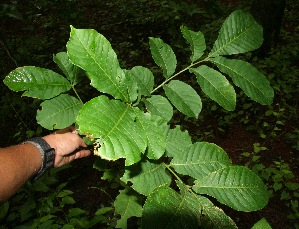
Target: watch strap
[47, 153]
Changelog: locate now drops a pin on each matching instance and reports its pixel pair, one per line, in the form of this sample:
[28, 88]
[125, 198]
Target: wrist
[47, 153]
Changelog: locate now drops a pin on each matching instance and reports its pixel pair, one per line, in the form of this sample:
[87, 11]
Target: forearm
[17, 164]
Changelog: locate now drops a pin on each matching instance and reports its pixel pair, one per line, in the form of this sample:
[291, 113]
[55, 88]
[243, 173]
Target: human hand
[68, 146]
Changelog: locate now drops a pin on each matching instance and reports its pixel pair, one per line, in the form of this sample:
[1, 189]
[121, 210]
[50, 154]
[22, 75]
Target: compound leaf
[166, 209]
[146, 176]
[37, 82]
[216, 86]
[159, 105]
[127, 205]
[163, 56]
[200, 159]
[244, 75]
[196, 41]
[235, 186]
[183, 97]
[114, 123]
[92, 52]
[239, 33]
[59, 112]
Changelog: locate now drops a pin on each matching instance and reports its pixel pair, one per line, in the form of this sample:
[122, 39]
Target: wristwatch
[48, 155]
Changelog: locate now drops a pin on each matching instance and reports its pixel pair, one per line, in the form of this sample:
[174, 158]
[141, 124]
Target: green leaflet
[37, 82]
[127, 204]
[183, 97]
[239, 33]
[166, 209]
[113, 122]
[214, 217]
[196, 41]
[216, 86]
[71, 71]
[59, 112]
[163, 55]
[146, 176]
[92, 52]
[200, 159]
[159, 105]
[262, 224]
[144, 78]
[156, 141]
[244, 75]
[177, 142]
[235, 186]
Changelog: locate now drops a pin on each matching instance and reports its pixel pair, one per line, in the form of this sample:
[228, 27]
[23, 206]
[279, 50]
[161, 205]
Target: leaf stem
[170, 170]
[74, 89]
[178, 73]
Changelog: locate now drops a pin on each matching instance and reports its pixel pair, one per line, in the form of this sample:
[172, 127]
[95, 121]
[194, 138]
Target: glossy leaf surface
[37, 82]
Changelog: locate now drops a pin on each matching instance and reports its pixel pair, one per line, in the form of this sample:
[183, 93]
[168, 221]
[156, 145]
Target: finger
[65, 130]
[82, 153]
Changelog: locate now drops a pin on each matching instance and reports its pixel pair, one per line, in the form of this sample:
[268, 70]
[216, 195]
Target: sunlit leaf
[92, 52]
[37, 82]
[114, 123]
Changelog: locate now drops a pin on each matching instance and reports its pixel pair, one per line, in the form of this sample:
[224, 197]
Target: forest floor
[33, 42]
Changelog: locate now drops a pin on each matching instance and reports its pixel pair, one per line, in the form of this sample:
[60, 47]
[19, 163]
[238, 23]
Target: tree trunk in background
[269, 14]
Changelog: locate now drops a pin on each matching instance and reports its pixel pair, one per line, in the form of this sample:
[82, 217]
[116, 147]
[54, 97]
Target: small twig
[8, 53]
